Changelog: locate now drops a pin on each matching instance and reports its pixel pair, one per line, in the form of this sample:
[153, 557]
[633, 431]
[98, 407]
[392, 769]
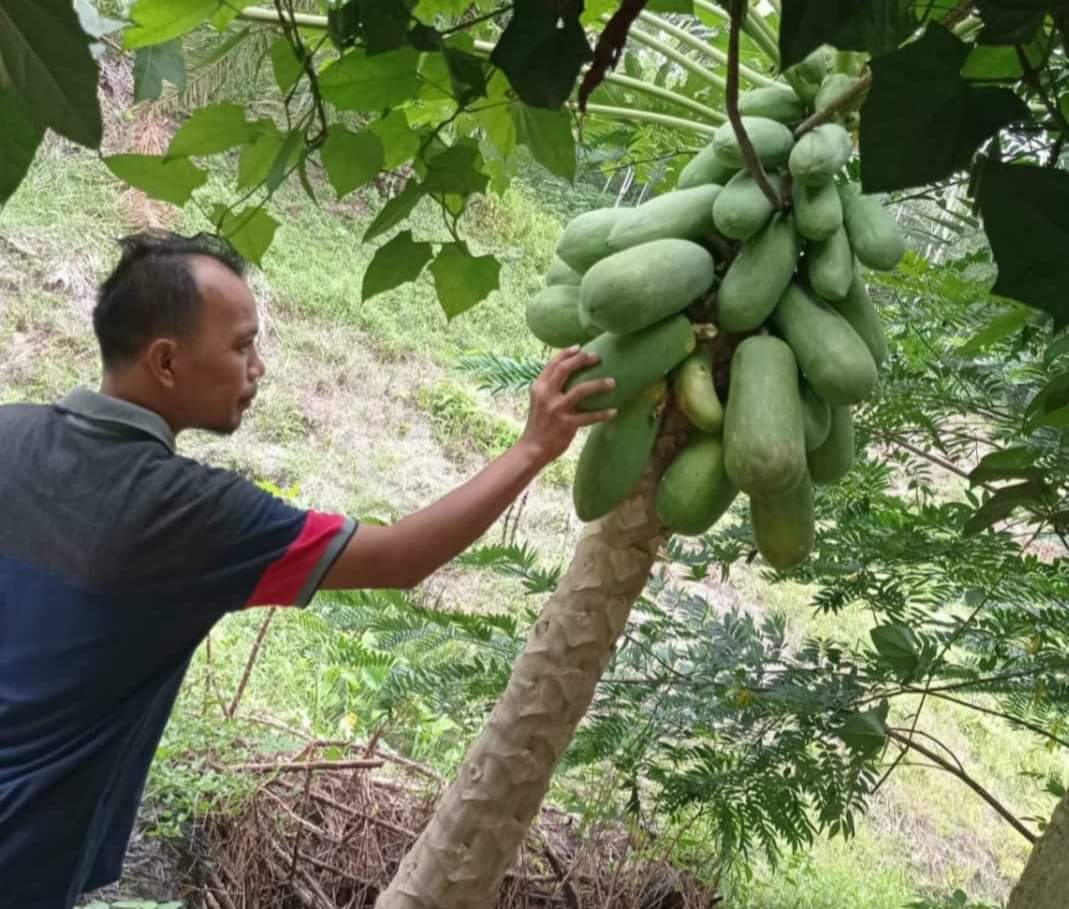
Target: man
[117, 556]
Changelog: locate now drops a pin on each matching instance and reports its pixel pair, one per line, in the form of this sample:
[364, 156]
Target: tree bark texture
[1044, 883]
[462, 855]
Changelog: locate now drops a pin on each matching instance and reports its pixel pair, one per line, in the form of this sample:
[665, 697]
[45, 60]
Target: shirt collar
[101, 408]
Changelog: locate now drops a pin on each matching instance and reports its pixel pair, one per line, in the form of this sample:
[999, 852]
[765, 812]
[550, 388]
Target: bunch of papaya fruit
[752, 316]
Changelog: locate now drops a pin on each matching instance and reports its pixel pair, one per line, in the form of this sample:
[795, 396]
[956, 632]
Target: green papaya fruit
[816, 416]
[560, 272]
[585, 239]
[705, 167]
[830, 462]
[742, 208]
[758, 276]
[685, 214]
[776, 102]
[818, 211]
[831, 355]
[832, 88]
[771, 141]
[634, 288]
[696, 393]
[695, 490]
[615, 454]
[764, 436]
[552, 316]
[816, 65]
[784, 527]
[635, 361]
[820, 154]
[857, 308]
[830, 266]
[873, 231]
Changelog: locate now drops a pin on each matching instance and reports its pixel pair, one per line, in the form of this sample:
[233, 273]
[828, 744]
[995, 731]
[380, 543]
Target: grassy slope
[360, 414]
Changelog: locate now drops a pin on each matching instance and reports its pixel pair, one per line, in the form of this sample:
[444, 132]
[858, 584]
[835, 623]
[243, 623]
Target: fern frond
[501, 375]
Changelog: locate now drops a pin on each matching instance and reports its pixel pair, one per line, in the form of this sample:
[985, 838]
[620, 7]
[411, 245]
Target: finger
[589, 419]
[585, 390]
[562, 371]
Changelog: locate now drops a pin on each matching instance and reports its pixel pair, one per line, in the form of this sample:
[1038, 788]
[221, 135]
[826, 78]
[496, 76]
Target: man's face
[217, 367]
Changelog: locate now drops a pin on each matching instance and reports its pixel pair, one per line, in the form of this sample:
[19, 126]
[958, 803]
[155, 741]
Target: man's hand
[553, 419]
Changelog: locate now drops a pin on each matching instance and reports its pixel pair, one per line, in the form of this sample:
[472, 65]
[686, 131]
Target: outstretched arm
[405, 553]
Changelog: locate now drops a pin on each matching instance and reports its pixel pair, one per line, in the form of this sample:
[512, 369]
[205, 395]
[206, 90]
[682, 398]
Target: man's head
[177, 328]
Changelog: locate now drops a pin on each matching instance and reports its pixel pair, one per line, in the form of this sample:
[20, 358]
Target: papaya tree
[963, 100]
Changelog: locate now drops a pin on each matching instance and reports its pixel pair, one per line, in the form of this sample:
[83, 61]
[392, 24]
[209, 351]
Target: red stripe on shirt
[281, 583]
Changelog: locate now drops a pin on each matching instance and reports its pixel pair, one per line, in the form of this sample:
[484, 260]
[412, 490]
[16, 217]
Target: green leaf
[280, 167]
[1058, 347]
[1008, 464]
[255, 159]
[50, 72]
[542, 61]
[18, 144]
[211, 130]
[155, 65]
[1002, 504]
[457, 170]
[156, 21]
[396, 210]
[1026, 217]
[461, 279]
[671, 6]
[168, 179]
[548, 134]
[865, 732]
[1012, 22]
[898, 648]
[997, 329]
[284, 63]
[351, 159]
[384, 24]
[399, 141]
[992, 63]
[250, 230]
[394, 263]
[362, 83]
[922, 120]
[876, 26]
[467, 74]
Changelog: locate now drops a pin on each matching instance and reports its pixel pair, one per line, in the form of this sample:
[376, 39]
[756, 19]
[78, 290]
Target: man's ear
[159, 359]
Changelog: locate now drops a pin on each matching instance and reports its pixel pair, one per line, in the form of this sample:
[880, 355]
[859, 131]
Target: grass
[362, 414]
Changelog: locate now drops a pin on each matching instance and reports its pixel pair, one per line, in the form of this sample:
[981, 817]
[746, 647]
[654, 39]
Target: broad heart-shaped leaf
[865, 732]
[250, 231]
[400, 142]
[284, 63]
[461, 279]
[169, 179]
[1002, 504]
[396, 210]
[1008, 464]
[1014, 21]
[396, 262]
[211, 130]
[351, 159]
[876, 26]
[542, 61]
[52, 75]
[898, 647]
[548, 134]
[19, 139]
[1026, 217]
[371, 83]
[922, 120]
[383, 23]
[155, 65]
[457, 170]
[156, 21]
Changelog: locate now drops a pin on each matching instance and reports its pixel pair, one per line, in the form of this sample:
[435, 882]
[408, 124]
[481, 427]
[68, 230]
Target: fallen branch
[294, 766]
[253, 654]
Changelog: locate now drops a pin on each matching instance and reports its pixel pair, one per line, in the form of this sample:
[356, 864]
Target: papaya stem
[843, 102]
[749, 156]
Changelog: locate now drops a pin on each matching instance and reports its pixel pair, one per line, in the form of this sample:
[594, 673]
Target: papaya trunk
[462, 855]
[1045, 879]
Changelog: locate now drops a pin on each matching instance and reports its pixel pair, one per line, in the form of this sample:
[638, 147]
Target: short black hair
[152, 291]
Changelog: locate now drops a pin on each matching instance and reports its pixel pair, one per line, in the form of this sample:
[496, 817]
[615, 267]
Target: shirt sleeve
[236, 545]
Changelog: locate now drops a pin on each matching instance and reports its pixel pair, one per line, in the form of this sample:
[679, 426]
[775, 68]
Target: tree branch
[749, 156]
[842, 103]
[250, 662]
[942, 762]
